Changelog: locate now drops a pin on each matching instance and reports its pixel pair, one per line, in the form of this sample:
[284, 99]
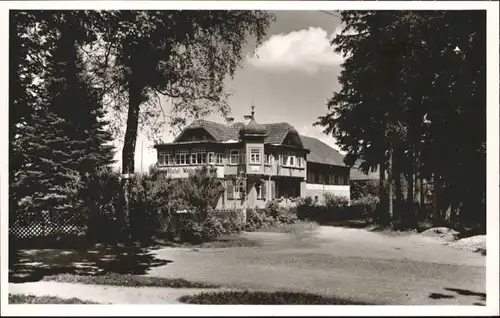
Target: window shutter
[230, 189]
[273, 191]
[263, 190]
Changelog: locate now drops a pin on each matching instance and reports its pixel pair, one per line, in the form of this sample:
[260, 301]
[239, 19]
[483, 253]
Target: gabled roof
[321, 152]
[219, 132]
[276, 132]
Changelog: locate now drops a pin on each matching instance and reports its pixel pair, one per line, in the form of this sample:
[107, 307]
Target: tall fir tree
[66, 141]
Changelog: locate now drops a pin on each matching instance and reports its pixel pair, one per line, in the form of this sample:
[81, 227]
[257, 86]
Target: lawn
[264, 298]
[113, 279]
[44, 300]
[296, 228]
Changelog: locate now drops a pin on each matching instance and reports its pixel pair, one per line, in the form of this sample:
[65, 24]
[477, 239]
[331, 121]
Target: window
[181, 157]
[219, 159]
[300, 162]
[331, 180]
[261, 190]
[254, 155]
[321, 178]
[202, 157]
[287, 159]
[161, 158]
[169, 159]
[239, 190]
[193, 159]
[234, 157]
[211, 158]
[268, 159]
[310, 177]
[284, 159]
[341, 180]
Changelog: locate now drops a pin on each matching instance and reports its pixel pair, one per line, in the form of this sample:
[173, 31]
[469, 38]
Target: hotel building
[256, 163]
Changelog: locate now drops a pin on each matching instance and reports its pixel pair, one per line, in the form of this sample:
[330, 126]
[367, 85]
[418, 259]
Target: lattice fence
[41, 224]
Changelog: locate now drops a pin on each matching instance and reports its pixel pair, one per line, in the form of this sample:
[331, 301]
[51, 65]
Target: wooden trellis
[48, 224]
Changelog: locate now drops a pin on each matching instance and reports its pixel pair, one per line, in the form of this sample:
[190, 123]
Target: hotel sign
[183, 172]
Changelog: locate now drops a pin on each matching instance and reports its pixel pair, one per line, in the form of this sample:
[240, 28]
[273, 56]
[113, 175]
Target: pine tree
[65, 141]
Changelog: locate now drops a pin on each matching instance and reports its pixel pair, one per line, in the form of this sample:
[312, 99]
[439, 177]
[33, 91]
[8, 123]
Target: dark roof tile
[321, 152]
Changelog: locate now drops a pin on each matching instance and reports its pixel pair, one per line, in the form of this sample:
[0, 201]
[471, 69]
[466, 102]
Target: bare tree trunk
[436, 215]
[128, 163]
[382, 193]
[398, 211]
[417, 197]
[411, 176]
[389, 184]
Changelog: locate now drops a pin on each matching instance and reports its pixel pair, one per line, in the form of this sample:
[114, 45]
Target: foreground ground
[350, 263]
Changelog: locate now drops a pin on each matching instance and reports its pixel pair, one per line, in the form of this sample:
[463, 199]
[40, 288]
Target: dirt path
[343, 262]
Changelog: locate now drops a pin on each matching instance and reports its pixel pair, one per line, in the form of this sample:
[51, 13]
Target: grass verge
[221, 242]
[295, 228]
[264, 298]
[30, 299]
[127, 280]
[230, 241]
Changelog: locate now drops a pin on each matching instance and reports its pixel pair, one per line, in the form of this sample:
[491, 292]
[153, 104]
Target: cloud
[307, 50]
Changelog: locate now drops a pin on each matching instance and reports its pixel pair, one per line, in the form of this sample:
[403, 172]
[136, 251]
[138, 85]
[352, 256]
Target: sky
[288, 78]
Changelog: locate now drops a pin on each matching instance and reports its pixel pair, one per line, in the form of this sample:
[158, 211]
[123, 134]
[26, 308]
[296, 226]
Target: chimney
[229, 120]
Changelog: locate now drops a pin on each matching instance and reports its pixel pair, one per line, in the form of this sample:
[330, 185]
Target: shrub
[202, 189]
[258, 219]
[273, 215]
[363, 188]
[211, 229]
[273, 208]
[286, 216]
[308, 200]
[191, 232]
[102, 195]
[335, 208]
[335, 203]
[231, 220]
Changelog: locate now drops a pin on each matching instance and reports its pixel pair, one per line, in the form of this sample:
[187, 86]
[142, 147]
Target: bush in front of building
[217, 224]
[365, 206]
[335, 203]
[334, 208]
[258, 219]
[272, 215]
[233, 220]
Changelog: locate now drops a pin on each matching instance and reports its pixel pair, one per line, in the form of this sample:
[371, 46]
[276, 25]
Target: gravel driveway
[354, 263]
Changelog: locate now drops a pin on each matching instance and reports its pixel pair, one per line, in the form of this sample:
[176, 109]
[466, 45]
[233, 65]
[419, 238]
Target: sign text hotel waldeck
[183, 172]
